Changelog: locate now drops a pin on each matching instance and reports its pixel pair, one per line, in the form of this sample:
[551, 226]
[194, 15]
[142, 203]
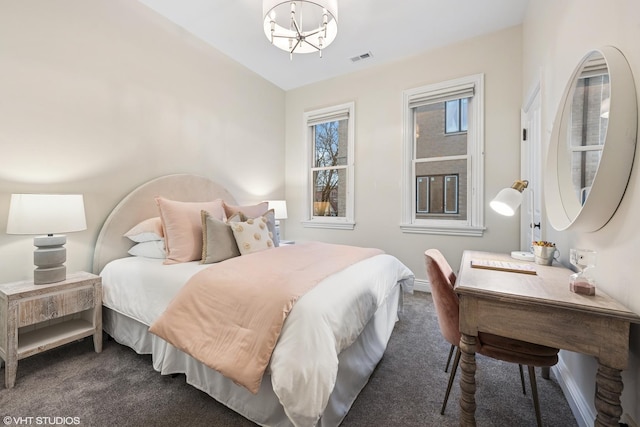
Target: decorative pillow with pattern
[252, 235]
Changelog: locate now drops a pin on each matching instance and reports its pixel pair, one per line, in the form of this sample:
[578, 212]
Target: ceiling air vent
[361, 57]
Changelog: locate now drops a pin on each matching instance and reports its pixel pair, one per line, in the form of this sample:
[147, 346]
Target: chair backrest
[442, 278]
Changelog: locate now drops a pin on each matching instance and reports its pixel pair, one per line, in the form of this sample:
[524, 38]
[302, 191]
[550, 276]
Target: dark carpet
[72, 385]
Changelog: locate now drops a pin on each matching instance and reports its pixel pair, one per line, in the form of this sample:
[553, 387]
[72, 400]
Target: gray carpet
[120, 387]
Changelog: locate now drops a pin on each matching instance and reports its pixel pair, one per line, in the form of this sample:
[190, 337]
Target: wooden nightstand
[36, 318]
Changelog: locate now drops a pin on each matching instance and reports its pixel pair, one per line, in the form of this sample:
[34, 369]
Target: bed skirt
[356, 363]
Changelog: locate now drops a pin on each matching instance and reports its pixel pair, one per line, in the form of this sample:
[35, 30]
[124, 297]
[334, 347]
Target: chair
[442, 278]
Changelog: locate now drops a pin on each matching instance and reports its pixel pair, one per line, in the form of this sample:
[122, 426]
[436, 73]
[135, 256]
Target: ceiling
[388, 29]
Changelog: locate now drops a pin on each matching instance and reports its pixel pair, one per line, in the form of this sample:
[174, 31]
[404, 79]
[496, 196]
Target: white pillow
[150, 249]
[252, 235]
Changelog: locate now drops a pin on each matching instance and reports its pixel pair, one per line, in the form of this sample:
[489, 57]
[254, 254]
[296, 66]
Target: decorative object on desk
[507, 202]
[47, 214]
[280, 212]
[544, 252]
[583, 282]
[285, 29]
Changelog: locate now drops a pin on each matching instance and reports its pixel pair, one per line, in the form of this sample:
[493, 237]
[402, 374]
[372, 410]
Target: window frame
[473, 225]
[310, 119]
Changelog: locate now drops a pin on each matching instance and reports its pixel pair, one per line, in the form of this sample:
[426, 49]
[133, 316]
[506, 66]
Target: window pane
[330, 195]
[588, 127]
[446, 197]
[330, 143]
[453, 116]
[464, 107]
[431, 140]
[584, 165]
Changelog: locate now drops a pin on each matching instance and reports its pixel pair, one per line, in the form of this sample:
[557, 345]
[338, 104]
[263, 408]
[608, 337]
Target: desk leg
[608, 390]
[468, 381]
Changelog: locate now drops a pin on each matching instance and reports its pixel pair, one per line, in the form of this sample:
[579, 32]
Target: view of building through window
[440, 159]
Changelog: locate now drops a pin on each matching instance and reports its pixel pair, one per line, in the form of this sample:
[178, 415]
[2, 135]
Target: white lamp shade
[506, 201]
[46, 214]
[279, 208]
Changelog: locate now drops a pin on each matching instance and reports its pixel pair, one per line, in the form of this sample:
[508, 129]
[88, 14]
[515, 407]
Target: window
[455, 113]
[443, 166]
[330, 190]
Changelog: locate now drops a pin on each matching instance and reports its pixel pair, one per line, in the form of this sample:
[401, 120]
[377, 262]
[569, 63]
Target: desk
[541, 309]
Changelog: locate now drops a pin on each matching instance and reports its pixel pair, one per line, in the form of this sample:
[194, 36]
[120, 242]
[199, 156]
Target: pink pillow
[182, 226]
[250, 211]
[146, 231]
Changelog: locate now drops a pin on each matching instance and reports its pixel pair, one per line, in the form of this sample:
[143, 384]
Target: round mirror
[592, 144]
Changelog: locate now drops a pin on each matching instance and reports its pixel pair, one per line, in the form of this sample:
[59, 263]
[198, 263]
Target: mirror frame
[616, 161]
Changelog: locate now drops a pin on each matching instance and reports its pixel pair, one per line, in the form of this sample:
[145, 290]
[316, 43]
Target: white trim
[422, 285]
[580, 407]
[336, 225]
[474, 224]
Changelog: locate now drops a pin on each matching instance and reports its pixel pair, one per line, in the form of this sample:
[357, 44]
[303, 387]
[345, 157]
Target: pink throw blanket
[229, 316]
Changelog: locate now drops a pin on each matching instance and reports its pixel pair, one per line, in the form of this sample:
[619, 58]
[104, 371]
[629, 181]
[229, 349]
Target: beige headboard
[140, 204]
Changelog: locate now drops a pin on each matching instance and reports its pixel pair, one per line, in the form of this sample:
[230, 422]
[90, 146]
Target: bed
[138, 289]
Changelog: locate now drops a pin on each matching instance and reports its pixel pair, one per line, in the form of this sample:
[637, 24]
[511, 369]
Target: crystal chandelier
[301, 26]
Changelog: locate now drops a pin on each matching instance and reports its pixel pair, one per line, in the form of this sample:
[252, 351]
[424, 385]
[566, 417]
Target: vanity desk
[540, 308]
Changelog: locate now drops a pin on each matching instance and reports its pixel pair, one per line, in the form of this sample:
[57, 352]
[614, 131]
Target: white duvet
[325, 321]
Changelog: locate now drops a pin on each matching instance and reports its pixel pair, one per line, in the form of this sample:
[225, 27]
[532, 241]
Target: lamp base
[49, 258]
[522, 256]
[42, 276]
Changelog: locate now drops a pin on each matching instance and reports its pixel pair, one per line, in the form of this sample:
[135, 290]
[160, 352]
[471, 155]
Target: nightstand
[36, 318]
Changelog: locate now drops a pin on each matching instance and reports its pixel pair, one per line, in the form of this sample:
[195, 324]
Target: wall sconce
[47, 214]
[506, 203]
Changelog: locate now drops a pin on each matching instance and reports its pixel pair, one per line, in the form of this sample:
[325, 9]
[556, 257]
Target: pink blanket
[229, 316]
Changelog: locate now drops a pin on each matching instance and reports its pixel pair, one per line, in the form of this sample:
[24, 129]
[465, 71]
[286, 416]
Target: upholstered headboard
[140, 204]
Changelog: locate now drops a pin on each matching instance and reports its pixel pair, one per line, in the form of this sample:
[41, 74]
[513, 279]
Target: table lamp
[45, 215]
[279, 212]
[506, 203]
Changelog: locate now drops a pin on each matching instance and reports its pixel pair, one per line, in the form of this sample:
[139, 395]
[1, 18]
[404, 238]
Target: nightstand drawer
[47, 307]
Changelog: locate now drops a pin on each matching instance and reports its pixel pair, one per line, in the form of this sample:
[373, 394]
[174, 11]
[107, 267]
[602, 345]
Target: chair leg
[534, 392]
[524, 391]
[449, 358]
[452, 376]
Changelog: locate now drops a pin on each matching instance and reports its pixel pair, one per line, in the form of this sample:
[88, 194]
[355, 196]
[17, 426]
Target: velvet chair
[442, 279]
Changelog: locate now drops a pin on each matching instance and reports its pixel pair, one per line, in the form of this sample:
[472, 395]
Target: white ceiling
[389, 29]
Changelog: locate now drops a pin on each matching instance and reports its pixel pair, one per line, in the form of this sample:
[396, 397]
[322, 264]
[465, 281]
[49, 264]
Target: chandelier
[301, 26]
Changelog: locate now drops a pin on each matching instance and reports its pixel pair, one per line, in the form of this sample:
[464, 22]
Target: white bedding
[304, 364]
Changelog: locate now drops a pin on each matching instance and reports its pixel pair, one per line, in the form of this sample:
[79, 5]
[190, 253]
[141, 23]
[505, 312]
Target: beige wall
[97, 97]
[377, 94]
[556, 35]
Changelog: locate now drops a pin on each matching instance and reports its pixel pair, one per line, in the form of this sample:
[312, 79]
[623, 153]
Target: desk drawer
[51, 306]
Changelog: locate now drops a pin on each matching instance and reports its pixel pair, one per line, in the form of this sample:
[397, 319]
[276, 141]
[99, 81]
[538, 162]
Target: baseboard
[421, 285]
[580, 407]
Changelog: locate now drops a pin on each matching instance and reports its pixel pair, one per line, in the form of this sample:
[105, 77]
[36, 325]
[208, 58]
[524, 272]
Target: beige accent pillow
[252, 235]
[182, 227]
[250, 211]
[218, 242]
[146, 231]
[271, 224]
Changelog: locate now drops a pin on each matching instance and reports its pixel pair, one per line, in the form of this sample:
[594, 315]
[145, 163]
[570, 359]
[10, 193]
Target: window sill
[336, 225]
[443, 230]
